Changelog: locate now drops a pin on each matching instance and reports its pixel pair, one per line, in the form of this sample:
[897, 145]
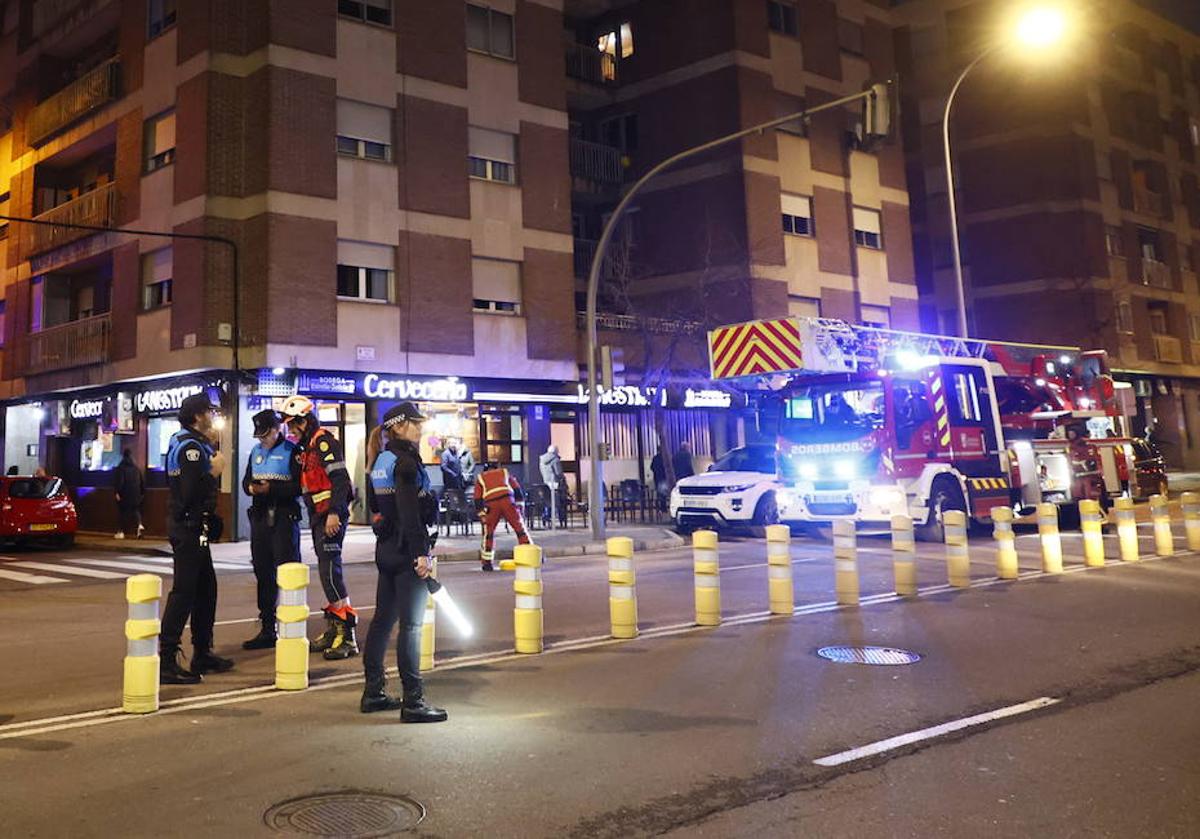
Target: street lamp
[1037, 29]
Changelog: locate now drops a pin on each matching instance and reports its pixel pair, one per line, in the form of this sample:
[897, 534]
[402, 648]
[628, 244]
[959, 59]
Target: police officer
[327, 489]
[402, 506]
[193, 469]
[272, 480]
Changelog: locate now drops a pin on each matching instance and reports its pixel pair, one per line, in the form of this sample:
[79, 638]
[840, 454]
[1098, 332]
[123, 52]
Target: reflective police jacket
[323, 476]
[192, 485]
[279, 466]
[401, 498]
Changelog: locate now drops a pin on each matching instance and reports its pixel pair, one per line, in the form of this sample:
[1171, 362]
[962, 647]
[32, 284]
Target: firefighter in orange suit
[496, 494]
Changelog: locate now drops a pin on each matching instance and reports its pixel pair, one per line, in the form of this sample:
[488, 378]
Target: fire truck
[874, 422]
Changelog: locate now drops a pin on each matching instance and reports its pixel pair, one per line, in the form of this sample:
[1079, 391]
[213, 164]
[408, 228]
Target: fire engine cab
[874, 422]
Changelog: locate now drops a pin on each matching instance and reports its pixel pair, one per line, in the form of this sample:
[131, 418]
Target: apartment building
[392, 178]
[1078, 191]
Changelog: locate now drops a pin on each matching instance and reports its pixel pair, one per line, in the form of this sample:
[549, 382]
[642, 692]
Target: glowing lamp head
[809, 471]
[277, 371]
[1041, 27]
[845, 469]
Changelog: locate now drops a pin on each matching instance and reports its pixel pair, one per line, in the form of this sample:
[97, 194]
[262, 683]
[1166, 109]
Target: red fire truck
[875, 422]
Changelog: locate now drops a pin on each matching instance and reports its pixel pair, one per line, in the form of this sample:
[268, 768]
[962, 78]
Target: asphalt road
[702, 732]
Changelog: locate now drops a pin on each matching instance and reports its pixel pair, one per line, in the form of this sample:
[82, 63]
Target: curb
[668, 541]
[97, 542]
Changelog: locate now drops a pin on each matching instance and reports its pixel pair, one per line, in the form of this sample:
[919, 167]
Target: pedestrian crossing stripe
[988, 483]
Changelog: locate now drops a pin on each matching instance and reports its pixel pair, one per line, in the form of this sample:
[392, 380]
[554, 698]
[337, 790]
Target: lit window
[797, 215]
[159, 141]
[364, 131]
[492, 155]
[496, 285]
[618, 42]
[160, 16]
[867, 230]
[781, 17]
[158, 267]
[489, 31]
[368, 11]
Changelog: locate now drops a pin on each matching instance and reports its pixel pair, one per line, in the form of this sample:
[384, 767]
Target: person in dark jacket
[402, 507]
[451, 463]
[272, 480]
[129, 487]
[683, 462]
[662, 489]
[193, 470]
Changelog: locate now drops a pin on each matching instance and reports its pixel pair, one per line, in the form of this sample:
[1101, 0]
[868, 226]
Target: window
[160, 16]
[876, 316]
[1158, 319]
[867, 231]
[620, 132]
[496, 286]
[489, 31]
[364, 271]
[157, 271]
[503, 434]
[159, 138]
[803, 307]
[1148, 244]
[492, 155]
[368, 11]
[781, 17]
[797, 214]
[617, 42]
[1114, 243]
[364, 131]
[159, 431]
[1194, 131]
[850, 36]
[1124, 316]
[1193, 326]
[966, 399]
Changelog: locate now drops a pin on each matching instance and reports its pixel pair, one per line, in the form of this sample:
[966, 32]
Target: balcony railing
[1168, 349]
[1150, 203]
[589, 64]
[75, 344]
[636, 323]
[1156, 274]
[617, 259]
[596, 162]
[84, 95]
[98, 207]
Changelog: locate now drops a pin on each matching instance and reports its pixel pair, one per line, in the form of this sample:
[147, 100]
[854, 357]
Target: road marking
[880, 746]
[33, 579]
[220, 565]
[725, 568]
[75, 570]
[142, 567]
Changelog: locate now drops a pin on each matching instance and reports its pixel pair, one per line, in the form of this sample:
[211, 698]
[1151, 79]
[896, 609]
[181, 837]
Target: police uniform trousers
[193, 591]
[329, 558]
[400, 597]
[274, 540]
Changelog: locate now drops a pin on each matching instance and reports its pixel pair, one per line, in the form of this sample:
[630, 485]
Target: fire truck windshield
[833, 412]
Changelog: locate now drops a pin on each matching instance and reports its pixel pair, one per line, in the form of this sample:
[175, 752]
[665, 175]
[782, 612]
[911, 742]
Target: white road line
[34, 579]
[142, 567]
[72, 570]
[891, 743]
[166, 561]
[725, 568]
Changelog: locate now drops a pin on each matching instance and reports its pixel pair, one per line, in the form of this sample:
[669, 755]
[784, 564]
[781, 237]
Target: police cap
[193, 406]
[403, 412]
[265, 422]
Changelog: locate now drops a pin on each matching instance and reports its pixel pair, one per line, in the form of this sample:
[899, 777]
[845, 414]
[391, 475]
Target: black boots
[203, 661]
[325, 640]
[375, 697]
[264, 640]
[171, 670]
[416, 709]
[344, 644]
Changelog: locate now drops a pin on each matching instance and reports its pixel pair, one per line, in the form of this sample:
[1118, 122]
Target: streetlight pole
[595, 487]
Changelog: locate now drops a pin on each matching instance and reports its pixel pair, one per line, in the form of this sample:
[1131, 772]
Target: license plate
[702, 503]
[43, 527]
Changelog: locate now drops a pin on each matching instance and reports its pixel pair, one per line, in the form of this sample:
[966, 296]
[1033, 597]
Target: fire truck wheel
[946, 495]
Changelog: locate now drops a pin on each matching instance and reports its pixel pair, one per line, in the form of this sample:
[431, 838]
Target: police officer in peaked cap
[272, 480]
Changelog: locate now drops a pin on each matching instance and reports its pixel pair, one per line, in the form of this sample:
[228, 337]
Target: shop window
[99, 449]
[797, 215]
[867, 229]
[496, 286]
[1114, 243]
[492, 155]
[160, 16]
[364, 131]
[367, 11]
[781, 17]
[158, 441]
[489, 31]
[503, 435]
[450, 422]
[157, 271]
[159, 137]
[364, 271]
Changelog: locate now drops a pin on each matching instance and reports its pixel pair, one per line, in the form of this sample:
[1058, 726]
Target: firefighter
[272, 480]
[496, 494]
[326, 487]
[193, 470]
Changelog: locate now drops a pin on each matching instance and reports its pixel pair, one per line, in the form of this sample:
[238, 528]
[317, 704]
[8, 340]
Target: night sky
[1185, 12]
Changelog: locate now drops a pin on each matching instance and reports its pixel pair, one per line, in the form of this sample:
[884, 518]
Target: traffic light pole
[596, 480]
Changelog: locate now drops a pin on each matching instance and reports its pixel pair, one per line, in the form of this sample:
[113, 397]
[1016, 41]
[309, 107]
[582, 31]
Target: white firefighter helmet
[297, 406]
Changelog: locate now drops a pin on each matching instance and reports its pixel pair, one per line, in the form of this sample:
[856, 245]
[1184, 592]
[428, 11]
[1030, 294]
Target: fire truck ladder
[863, 348]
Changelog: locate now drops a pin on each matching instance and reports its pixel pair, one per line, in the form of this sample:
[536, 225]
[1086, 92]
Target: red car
[36, 509]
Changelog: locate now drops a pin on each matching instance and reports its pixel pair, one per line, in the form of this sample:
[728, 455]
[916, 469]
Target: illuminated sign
[436, 390]
[86, 408]
[849, 447]
[327, 383]
[707, 399]
[628, 396]
[164, 399]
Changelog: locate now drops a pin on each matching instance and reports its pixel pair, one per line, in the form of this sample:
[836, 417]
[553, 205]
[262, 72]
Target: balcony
[596, 163]
[98, 207]
[91, 91]
[589, 64]
[75, 344]
[1156, 274]
[1168, 349]
[636, 323]
[1147, 202]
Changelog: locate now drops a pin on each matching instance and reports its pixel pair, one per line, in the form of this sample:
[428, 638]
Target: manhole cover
[868, 655]
[345, 814]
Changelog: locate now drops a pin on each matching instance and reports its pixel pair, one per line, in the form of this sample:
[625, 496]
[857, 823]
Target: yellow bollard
[845, 562]
[781, 595]
[428, 628]
[958, 560]
[1091, 522]
[1191, 519]
[528, 624]
[1007, 567]
[1127, 535]
[140, 689]
[291, 616]
[1160, 514]
[622, 588]
[706, 573]
[1047, 519]
[904, 554]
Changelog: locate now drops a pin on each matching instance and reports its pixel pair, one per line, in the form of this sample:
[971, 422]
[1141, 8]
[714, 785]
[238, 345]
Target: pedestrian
[326, 487]
[550, 464]
[658, 469]
[466, 462]
[452, 476]
[129, 487]
[496, 493]
[193, 473]
[683, 462]
[13, 470]
[272, 480]
[402, 509]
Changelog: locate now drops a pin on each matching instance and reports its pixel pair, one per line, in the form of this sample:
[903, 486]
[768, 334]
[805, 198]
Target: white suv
[737, 490]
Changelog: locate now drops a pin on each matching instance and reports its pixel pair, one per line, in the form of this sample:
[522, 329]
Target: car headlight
[845, 468]
[809, 471]
[738, 487]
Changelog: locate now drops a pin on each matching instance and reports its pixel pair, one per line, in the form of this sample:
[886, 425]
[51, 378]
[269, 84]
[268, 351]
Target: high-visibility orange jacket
[494, 484]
